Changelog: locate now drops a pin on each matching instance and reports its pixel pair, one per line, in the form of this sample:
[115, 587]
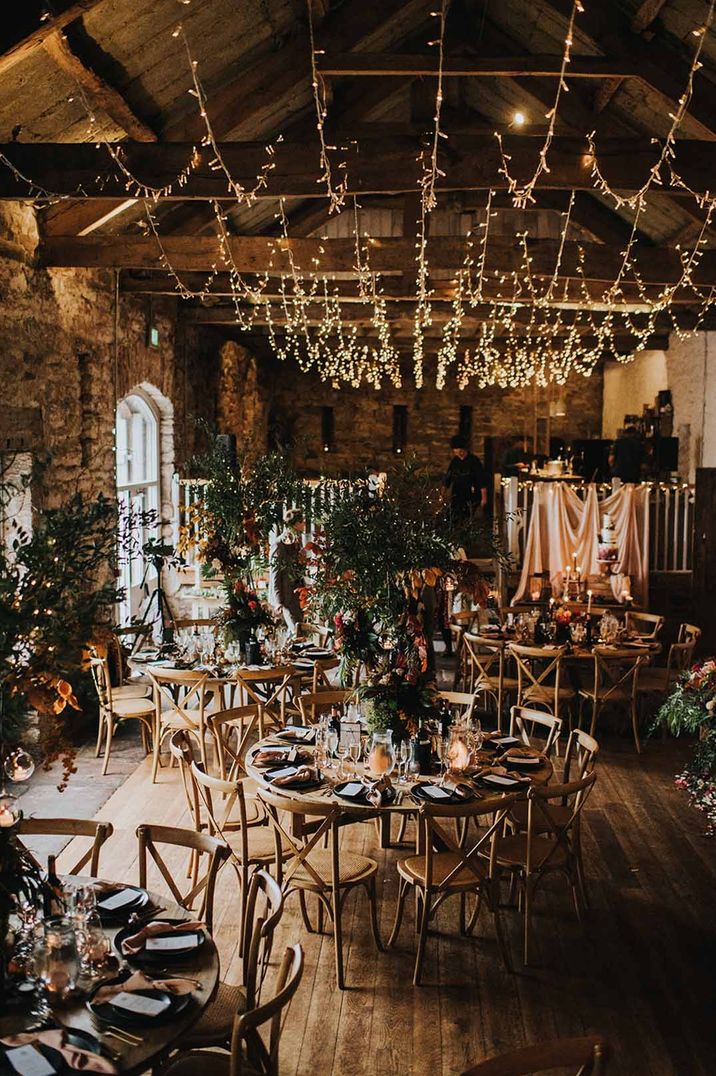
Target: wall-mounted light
[518, 119]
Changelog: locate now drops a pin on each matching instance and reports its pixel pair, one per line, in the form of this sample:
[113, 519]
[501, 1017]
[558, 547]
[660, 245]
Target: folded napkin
[135, 942]
[302, 775]
[139, 981]
[523, 752]
[454, 783]
[374, 790]
[502, 771]
[266, 757]
[73, 1057]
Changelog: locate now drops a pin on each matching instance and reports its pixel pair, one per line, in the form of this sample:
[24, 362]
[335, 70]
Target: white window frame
[142, 496]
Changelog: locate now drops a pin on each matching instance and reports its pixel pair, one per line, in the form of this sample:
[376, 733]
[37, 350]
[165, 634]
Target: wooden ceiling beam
[255, 254]
[646, 13]
[379, 167]
[99, 93]
[56, 21]
[359, 64]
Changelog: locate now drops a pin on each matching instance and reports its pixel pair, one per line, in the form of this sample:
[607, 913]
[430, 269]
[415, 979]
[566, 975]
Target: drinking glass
[403, 759]
[444, 752]
[578, 632]
[478, 735]
[355, 751]
[56, 960]
[343, 753]
[331, 747]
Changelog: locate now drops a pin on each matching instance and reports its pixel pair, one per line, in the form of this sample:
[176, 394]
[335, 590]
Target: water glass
[331, 747]
[403, 760]
[56, 960]
[355, 751]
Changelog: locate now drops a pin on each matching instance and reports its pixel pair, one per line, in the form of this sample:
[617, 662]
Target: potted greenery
[691, 709]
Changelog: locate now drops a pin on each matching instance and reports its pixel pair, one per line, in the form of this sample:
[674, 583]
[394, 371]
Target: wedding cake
[607, 550]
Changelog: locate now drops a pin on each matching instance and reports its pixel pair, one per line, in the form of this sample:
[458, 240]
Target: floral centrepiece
[691, 708]
[243, 614]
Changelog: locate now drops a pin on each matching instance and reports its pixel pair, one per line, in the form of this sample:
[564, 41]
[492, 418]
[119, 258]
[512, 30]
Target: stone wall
[364, 418]
[65, 359]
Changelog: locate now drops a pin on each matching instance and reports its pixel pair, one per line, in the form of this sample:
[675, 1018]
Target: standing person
[514, 458]
[627, 456]
[284, 573]
[466, 480]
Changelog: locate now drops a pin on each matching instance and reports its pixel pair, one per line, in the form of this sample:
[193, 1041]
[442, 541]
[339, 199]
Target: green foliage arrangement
[691, 709]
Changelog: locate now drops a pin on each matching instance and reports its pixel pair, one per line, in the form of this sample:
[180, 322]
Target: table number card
[28, 1061]
[350, 733]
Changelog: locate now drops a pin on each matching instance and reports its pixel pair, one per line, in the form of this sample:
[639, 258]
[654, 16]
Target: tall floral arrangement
[373, 569]
[691, 709]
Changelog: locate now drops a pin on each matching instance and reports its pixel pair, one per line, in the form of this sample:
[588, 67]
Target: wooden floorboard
[639, 970]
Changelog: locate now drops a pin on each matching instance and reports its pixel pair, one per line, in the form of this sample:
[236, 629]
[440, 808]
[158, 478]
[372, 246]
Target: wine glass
[331, 747]
[444, 752]
[403, 759]
[355, 751]
[343, 754]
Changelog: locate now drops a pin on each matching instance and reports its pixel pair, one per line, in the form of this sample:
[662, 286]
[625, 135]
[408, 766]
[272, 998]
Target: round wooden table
[156, 1039]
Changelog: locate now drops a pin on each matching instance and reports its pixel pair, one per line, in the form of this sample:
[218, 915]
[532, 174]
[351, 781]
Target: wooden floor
[640, 971]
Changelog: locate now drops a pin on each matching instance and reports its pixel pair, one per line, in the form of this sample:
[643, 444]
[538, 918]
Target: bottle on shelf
[53, 899]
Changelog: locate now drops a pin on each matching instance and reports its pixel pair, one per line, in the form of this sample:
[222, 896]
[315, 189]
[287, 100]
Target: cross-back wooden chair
[327, 872]
[97, 832]
[455, 871]
[150, 837]
[181, 698]
[659, 680]
[227, 813]
[585, 1056]
[112, 712]
[689, 633]
[486, 661]
[318, 633]
[232, 732]
[540, 681]
[461, 703]
[250, 1056]
[536, 729]
[264, 908]
[547, 846]
[122, 688]
[270, 690]
[615, 683]
[647, 625]
[459, 678]
[313, 705]
[317, 679]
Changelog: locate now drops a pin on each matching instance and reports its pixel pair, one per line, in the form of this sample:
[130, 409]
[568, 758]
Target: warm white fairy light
[336, 191]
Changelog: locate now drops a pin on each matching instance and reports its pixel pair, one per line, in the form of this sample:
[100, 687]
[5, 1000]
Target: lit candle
[589, 602]
[574, 561]
[579, 573]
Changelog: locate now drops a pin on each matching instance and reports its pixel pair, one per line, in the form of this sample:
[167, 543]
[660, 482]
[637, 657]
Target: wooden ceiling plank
[99, 93]
[646, 13]
[254, 254]
[357, 64]
[22, 49]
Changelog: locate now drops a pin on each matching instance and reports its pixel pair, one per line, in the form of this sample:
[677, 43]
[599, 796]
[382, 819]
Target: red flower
[253, 604]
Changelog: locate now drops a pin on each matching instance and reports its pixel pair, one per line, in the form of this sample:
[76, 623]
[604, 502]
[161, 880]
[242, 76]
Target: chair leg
[422, 938]
[472, 922]
[100, 730]
[304, 912]
[402, 894]
[338, 937]
[494, 903]
[635, 727]
[108, 748]
[595, 714]
[463, 917]
[527, 914]
[319, 926]
[155, 756]
[373, 899]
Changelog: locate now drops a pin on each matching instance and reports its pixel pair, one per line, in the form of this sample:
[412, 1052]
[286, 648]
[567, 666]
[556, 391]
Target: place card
[436, 792]
[498, 779]
[118, 900]
[139, 1003]
[179, 940]
[507, 741]
[28, 1061]
[353, 788]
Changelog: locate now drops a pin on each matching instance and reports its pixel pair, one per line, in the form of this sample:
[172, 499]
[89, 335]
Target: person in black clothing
[514, 458]
[466, 480]
[627, 456]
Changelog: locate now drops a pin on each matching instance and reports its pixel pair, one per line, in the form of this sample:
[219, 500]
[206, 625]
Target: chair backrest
[181, 749]
[462, 703]
[469, 860]
[319, 632]
[98, 833]
[539, 667]
[313, 704]
[484, 659]
[525, 723]
[579, 756]
[681, 656]
[465, 618]
[99, 668]
[542, 818]
[223, 803]
[181, 693]
[216, 851]
[689, 633]
[616, 671]
[263, 1058]
[231, 731]
[263, 909]
[647, 625]
[586, 1056]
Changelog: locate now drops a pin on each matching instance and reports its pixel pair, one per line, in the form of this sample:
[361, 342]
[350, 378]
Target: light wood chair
[112, 712]
[270, 690]
[540, 681]
[528, 723]
[123, 689]
[326, 872]
[461, 703]
[659, 680]
[585, 1057]
[486, 662]
[150, 837]
[319, 633]
[181, 698]
[615, 683]
[253, 844]
[547, 846]
[97, 832]
[250, 1056]
[458, 648]
[232, 732]
[689, 633]
[457, 871]
[264, 908]
[312, 705]
[647, 626]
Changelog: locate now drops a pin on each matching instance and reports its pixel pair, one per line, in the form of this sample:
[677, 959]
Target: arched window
[138, 488]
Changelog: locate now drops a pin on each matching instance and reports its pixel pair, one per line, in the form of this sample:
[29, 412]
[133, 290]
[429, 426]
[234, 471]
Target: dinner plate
[74, 1036]
[270, 774]
[360, 796]
[440, 795]
[120, 912]
[304, 736]
[302, 757]
[158, 956]
[172, 1005]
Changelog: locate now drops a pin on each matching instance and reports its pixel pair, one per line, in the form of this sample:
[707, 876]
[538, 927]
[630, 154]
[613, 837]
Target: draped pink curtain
[562, 524]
